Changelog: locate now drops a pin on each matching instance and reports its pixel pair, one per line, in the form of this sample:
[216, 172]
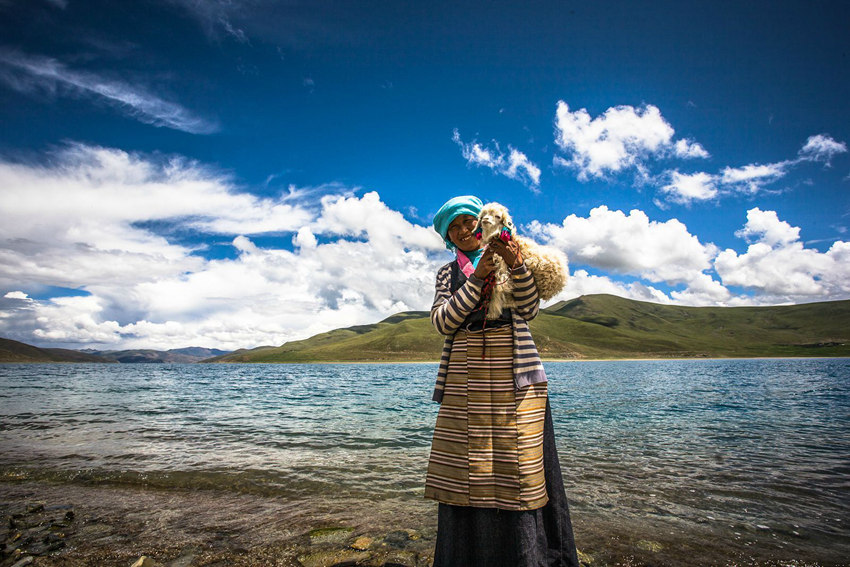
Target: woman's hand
[485, 264]
[509, 251]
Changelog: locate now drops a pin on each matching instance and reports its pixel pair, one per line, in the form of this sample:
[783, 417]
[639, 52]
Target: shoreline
[76, 525]
[544, 359]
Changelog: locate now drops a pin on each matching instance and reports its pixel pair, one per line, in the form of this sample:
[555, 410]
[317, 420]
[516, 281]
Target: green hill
[401, 337]
[14, 351]
[598, 326]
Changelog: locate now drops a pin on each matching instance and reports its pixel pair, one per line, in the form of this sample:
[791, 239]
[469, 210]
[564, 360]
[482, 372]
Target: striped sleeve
[449, 311]
[528, 369]
[525, 293]
[443, 370]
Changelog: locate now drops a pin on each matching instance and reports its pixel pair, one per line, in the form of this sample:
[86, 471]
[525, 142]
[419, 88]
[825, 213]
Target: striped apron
[487, 450]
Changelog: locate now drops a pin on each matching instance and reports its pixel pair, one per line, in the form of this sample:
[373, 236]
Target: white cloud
[85, 222]
[754, 177]
[685, 188]
[749, 179]
[583, 283]
[626, 138]
[765, 227]
[821, 148]
[778, 266]
[30, 73]
[515, 165]
[93, 218]
[623, 137]
[630, 244]
[16, 295]
[520, 167]
[689, 149]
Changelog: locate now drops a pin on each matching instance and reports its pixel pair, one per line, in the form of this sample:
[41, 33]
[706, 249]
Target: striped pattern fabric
[449, 311]
[487, 449]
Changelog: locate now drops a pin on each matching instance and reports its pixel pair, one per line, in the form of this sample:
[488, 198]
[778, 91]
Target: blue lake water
[751, 453]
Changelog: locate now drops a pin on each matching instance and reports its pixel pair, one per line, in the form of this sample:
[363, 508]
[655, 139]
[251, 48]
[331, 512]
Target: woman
[493, 467]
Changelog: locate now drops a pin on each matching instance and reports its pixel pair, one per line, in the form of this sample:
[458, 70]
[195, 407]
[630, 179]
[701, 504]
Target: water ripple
[732, 444]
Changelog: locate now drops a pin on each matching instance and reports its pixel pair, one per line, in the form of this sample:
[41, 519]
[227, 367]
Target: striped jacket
[449, 311]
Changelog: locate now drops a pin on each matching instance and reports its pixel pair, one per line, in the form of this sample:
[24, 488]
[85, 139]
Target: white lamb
[548, 265]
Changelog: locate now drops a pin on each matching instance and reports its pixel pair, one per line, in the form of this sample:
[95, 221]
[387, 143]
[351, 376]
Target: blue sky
[245, 172]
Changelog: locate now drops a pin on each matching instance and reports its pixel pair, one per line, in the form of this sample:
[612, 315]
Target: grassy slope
[606, 326]
[14, 351]
[599, 326]
[404, 336]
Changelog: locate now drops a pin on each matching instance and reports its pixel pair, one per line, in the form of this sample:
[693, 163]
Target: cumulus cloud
[776, 266]
[622, 138]
[582, 282]
[630, 244]
[635, 139]
[27, 73]
[16, 295]
[689, 149]
[92, 220]
[765, 227]
[114, 226]
[779, 267]
[78, 221]
[685, 188]
[515, 165]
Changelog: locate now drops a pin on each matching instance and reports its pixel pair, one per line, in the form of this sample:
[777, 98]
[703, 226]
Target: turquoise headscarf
[463, 205]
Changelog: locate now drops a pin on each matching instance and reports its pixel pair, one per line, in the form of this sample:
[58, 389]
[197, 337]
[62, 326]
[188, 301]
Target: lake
[732, 460]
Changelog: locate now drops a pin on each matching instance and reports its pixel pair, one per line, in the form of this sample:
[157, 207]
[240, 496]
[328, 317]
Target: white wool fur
[548, 265]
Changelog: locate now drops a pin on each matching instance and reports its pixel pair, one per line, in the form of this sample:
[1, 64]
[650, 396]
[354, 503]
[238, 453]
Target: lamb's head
[493, 220]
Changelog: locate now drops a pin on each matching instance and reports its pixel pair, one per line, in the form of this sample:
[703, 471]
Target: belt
[478, 326]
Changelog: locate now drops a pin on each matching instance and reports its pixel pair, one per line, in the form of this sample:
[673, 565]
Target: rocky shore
[76, 525]
[52, 525]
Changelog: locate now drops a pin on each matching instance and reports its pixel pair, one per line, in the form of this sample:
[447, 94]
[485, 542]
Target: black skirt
[489, 537]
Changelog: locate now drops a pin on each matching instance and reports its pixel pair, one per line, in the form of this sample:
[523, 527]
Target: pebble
[35, 530]
[330, 535]
[327, 558]
[647, 545]
[399, 559]
[362, 543]
[145, 561]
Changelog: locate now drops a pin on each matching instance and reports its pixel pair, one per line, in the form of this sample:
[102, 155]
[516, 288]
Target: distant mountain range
[14, 351]
[589, 327]
[598, 326]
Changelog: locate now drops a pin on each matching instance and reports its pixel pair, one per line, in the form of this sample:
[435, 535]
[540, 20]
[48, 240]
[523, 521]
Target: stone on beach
[362, 543]
[34, 530]
[647, 545]
[145, 561]
[329, 557]
[336, 534]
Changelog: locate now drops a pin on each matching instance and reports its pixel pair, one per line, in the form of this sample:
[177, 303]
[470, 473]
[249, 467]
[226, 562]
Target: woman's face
[460, 233]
